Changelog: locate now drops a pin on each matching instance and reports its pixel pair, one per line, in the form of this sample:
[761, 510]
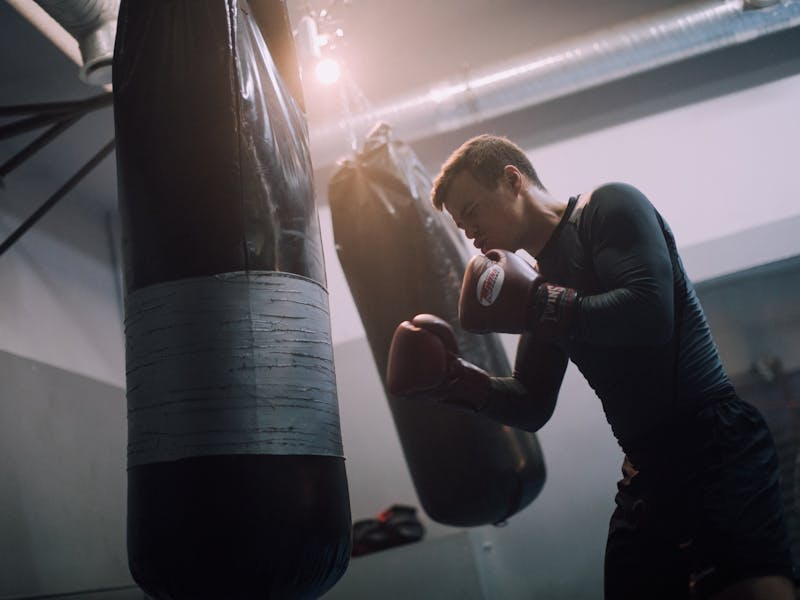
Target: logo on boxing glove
[556, 305]
[489, 285]
[552, 304]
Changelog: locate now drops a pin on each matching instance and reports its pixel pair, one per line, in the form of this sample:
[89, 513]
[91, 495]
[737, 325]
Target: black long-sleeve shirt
[641, 338]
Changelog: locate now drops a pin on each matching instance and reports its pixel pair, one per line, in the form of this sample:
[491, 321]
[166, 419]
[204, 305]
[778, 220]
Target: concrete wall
[59, 284]
[62, 464]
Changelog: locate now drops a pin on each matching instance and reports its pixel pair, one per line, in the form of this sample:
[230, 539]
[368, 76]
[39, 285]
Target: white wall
[713, 168]
[62, 464]
[59, 295]
[62, 431]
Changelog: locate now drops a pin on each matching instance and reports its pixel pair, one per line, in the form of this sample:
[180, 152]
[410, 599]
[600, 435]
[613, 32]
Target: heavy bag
[401, 257]
[236, 479]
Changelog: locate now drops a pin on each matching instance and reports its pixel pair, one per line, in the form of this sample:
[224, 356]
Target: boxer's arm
[424, 360]
[632, 262]
[527, 399]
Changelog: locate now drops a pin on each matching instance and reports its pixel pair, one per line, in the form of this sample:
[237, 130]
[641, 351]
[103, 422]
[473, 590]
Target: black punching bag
[236, 479]
[402, 257]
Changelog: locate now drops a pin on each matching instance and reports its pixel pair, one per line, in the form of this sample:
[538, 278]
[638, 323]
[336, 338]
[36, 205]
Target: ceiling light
[327, 71]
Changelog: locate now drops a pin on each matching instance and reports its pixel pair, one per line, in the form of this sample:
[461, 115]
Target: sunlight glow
[327, 71]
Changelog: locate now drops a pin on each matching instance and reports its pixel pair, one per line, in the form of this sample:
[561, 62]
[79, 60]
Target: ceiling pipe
[48, 27]
[84, 30]
[93, 23]
[573, 66]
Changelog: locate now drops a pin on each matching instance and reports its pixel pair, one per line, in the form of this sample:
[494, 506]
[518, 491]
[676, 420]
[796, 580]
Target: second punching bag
[236, 479]
[401, 257]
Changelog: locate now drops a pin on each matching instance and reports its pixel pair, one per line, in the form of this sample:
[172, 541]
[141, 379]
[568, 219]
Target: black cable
[37, 144]
[90, 103]
[42, 210]
[119, 588]
[49, 113]
[31, 123]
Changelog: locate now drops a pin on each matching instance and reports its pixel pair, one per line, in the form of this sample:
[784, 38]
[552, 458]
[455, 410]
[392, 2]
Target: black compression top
[641, 338]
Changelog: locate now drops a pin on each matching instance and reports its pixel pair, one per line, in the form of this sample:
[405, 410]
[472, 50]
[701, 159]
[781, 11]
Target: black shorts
[699, 511]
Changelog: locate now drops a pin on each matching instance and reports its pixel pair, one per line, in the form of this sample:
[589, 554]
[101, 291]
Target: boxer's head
[485, 157]
[480, 186]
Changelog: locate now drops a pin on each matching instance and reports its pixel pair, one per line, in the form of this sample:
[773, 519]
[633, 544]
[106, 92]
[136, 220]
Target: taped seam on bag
[237, 363]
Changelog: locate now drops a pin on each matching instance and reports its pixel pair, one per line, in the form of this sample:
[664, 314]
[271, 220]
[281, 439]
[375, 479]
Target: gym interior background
[710, 138]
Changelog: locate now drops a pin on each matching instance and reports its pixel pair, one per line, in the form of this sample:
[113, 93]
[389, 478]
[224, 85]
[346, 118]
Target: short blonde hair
[484, 157]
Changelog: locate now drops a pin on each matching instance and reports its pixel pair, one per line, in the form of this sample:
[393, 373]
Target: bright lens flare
[327, 71]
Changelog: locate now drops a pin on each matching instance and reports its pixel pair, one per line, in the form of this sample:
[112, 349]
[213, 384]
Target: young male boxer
[698, 510]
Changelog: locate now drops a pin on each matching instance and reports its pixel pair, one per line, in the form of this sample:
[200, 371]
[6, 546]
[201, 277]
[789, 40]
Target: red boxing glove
[496, 293]
[503, 293]
[424, 358]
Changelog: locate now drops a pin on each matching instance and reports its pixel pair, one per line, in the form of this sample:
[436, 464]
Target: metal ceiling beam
[573, 66]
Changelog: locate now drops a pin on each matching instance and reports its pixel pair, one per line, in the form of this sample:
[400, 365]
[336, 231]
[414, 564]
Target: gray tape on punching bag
[238, 363]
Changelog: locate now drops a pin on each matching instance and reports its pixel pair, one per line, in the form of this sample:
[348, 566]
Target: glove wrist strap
[553, 312]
